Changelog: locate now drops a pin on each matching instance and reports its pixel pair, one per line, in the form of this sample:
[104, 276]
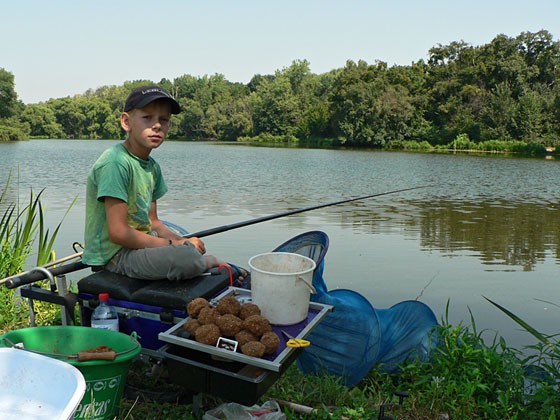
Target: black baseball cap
[144, 95]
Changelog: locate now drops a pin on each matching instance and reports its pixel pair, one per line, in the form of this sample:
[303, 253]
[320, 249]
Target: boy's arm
[121, 233]
[164, 232]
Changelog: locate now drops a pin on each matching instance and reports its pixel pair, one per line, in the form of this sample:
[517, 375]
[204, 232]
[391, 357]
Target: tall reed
[20, 230]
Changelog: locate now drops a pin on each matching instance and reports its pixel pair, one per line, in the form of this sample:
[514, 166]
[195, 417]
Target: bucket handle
[309, 286]
[82, 356]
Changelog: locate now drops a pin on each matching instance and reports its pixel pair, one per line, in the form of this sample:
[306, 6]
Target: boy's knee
[187, 263]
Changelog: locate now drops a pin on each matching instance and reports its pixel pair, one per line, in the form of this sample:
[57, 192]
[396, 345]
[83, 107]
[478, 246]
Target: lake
[482, 226]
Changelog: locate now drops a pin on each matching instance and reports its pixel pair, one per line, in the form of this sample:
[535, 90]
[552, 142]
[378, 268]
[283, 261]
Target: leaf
[542, 338]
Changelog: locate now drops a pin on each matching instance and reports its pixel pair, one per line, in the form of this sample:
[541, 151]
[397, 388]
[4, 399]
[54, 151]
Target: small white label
[227, 344]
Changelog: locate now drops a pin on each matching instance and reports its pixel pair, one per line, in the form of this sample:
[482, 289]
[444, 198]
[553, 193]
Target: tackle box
[147, 307]
[202, 373]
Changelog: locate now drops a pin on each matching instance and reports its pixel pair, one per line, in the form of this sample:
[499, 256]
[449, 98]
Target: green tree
[529, 117]
[414, 80]
[297, 73]
[97, 114]
[500, 113]
[69, 115]
[12, 129]
[312, 95]
[8, 96]
[275, 107]
[257, 79]
[191, 119]
[355, 96]
[506, 89]
[42, 121]
[540, 51]
[230, 119]
[395, 113]
[111, 127]
[212, 108]
[456, 95]
[503, 62]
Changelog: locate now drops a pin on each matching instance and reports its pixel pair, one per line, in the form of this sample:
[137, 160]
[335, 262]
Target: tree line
[505, 90]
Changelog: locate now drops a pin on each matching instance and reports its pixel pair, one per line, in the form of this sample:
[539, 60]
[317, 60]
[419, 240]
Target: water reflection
[502, 235]
[506, 235]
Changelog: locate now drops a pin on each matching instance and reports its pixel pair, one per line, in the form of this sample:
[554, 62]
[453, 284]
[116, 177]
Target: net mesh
[355, 336]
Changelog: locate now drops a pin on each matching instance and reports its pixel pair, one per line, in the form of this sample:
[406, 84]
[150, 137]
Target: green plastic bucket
[105, 379]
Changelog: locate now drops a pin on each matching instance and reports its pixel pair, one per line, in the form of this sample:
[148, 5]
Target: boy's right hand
[198, 243]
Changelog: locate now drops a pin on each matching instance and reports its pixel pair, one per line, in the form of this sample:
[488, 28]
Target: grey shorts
[173, 262]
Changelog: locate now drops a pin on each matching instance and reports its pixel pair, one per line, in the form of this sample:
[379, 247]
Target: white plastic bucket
[38, 387]
[281, 283]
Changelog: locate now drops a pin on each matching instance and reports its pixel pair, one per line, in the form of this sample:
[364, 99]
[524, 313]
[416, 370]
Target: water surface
[483, 226]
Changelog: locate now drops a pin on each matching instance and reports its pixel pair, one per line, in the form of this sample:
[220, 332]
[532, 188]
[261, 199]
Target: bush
[269, 138]
[11, 134]
[528, 148]
[462, 142]
[408, 145]
[494, 146]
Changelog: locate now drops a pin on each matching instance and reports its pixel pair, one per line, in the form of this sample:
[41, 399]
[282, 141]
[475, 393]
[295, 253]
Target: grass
[468, 377]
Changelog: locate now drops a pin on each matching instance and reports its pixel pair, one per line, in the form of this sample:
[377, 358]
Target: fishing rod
[35, 275]
[50, 264]
[225, 228]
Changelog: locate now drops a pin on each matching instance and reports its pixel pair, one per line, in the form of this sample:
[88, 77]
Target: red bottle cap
[103, 297]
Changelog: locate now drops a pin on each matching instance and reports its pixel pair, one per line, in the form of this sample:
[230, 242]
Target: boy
[123, 232]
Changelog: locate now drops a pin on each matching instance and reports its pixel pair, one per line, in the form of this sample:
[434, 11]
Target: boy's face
[146, 127]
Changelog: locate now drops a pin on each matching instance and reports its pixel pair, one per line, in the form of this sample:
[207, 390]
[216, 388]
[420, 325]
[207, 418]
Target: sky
[59, 48]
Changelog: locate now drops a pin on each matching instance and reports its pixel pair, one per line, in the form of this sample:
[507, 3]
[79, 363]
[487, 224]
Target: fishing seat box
[147, 307]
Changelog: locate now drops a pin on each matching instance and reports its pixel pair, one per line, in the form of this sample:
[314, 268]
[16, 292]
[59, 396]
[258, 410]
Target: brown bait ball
[228, 305]
[208, 316]
[253, 348]
[229, 324]
[191, 325]
[195, 305]
[248, 309]
[207, 334]
[244, 336]
[257, 325]
[271, 342]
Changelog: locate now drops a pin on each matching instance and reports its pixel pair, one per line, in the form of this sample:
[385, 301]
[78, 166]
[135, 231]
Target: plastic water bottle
[105, 316]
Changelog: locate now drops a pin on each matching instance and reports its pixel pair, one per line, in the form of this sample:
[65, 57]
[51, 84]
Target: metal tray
[317, 311]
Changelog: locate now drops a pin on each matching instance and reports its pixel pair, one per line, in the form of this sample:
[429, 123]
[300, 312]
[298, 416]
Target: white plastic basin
[33, 386]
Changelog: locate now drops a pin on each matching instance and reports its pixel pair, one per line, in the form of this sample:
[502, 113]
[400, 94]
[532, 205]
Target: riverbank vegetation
[23, 236]
[498, 96]
[472, 374]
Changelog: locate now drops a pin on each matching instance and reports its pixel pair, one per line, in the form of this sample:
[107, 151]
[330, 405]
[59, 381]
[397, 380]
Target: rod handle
[85, 355]
[33, 276]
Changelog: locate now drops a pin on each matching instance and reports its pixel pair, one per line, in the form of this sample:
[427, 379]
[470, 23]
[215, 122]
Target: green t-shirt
[119, 174]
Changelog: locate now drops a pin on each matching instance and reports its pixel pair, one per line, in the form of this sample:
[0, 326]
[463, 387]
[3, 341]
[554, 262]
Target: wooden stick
[64, 259]
[303, 409]
[298, 408]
